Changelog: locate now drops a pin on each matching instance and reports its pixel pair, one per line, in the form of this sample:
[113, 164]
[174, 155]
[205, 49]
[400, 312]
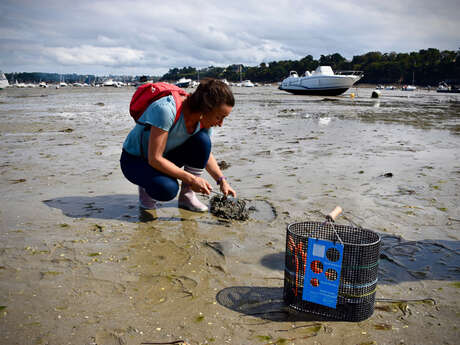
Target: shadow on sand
[262, 302]
[117, 206]
[123, 207]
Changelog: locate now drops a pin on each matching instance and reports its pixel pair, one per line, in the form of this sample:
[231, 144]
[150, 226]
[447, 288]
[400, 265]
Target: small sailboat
[410, 87]
[3, 81]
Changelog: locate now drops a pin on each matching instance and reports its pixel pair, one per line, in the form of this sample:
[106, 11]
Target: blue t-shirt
[160, 114]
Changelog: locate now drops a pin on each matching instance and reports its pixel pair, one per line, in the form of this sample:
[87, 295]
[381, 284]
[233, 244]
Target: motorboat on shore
[184, 82]
[445, 88]
[3, 81]
[323, 81]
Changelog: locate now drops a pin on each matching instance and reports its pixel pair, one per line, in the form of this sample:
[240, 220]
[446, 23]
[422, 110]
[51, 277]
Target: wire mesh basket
[339, 281]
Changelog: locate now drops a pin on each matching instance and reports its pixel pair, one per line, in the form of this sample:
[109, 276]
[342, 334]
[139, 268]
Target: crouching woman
[159, 151]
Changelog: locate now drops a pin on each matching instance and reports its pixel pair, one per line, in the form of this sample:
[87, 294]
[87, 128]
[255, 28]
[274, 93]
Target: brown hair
[210, 94]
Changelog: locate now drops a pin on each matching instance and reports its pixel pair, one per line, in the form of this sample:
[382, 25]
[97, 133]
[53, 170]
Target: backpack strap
[179, 101]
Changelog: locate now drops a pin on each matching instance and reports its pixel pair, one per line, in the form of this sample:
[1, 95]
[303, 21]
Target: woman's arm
[213, 169]
[157, 144]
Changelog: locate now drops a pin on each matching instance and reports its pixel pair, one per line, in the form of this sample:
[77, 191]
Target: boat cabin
[323, 70]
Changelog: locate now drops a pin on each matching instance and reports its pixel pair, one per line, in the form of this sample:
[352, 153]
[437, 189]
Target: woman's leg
[194, 152]
[158, 185]
[194, 155]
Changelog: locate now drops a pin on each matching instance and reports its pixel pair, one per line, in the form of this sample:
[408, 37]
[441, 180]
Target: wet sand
[81, 264]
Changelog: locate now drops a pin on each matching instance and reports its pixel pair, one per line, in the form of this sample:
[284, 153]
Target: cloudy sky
[150, 37]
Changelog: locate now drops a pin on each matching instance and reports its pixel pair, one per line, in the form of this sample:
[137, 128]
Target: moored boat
[409, 88]
[3, 81]
[109, 83]
[322, 81]
[183, 82]
[445, 88]
[247, 83]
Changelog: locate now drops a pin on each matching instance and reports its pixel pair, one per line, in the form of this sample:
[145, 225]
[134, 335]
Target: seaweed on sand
[229, 208]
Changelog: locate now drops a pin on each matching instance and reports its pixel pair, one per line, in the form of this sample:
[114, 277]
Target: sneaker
[146, 201]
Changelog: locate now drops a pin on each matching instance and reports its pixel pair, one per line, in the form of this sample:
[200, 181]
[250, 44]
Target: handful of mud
[227, 208]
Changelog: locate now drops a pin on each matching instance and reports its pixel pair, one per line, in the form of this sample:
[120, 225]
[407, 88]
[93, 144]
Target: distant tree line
[426, 67]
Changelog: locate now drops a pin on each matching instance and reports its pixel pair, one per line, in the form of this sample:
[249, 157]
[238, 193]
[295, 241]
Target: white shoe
[146, 201]
[189, 201]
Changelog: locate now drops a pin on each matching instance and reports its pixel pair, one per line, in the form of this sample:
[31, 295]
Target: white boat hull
[319, 85]
[184, 82]
[322, 82]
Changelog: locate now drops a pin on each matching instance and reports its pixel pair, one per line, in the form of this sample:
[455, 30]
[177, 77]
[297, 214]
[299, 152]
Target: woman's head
[213, 99]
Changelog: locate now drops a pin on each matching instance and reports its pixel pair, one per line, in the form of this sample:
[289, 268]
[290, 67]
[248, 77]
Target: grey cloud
[101, 36]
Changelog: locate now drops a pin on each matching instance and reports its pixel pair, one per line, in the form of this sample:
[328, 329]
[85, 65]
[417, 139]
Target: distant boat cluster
[391, 87]
[185, 83]
[443, 87]
[108, 83]
[182, 82]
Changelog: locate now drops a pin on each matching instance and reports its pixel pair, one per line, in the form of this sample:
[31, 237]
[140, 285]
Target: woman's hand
[213, 169]
[200, 185]
[226, 189]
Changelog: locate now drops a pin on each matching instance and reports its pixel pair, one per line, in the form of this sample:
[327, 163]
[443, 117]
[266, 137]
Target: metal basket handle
[331, 217]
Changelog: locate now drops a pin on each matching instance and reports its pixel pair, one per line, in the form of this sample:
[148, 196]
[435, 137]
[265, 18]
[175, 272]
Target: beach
[81, 264]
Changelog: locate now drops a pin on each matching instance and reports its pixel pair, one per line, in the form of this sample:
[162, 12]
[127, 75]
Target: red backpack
[148, 93]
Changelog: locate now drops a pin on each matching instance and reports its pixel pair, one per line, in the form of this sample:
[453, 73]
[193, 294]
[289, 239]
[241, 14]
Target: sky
[125, 37]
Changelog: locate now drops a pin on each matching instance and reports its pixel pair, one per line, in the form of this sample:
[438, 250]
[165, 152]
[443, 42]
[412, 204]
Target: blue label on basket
[322, 272]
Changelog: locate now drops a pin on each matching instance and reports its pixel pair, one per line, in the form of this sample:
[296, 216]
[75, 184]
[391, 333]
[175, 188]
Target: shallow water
[293, 157]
